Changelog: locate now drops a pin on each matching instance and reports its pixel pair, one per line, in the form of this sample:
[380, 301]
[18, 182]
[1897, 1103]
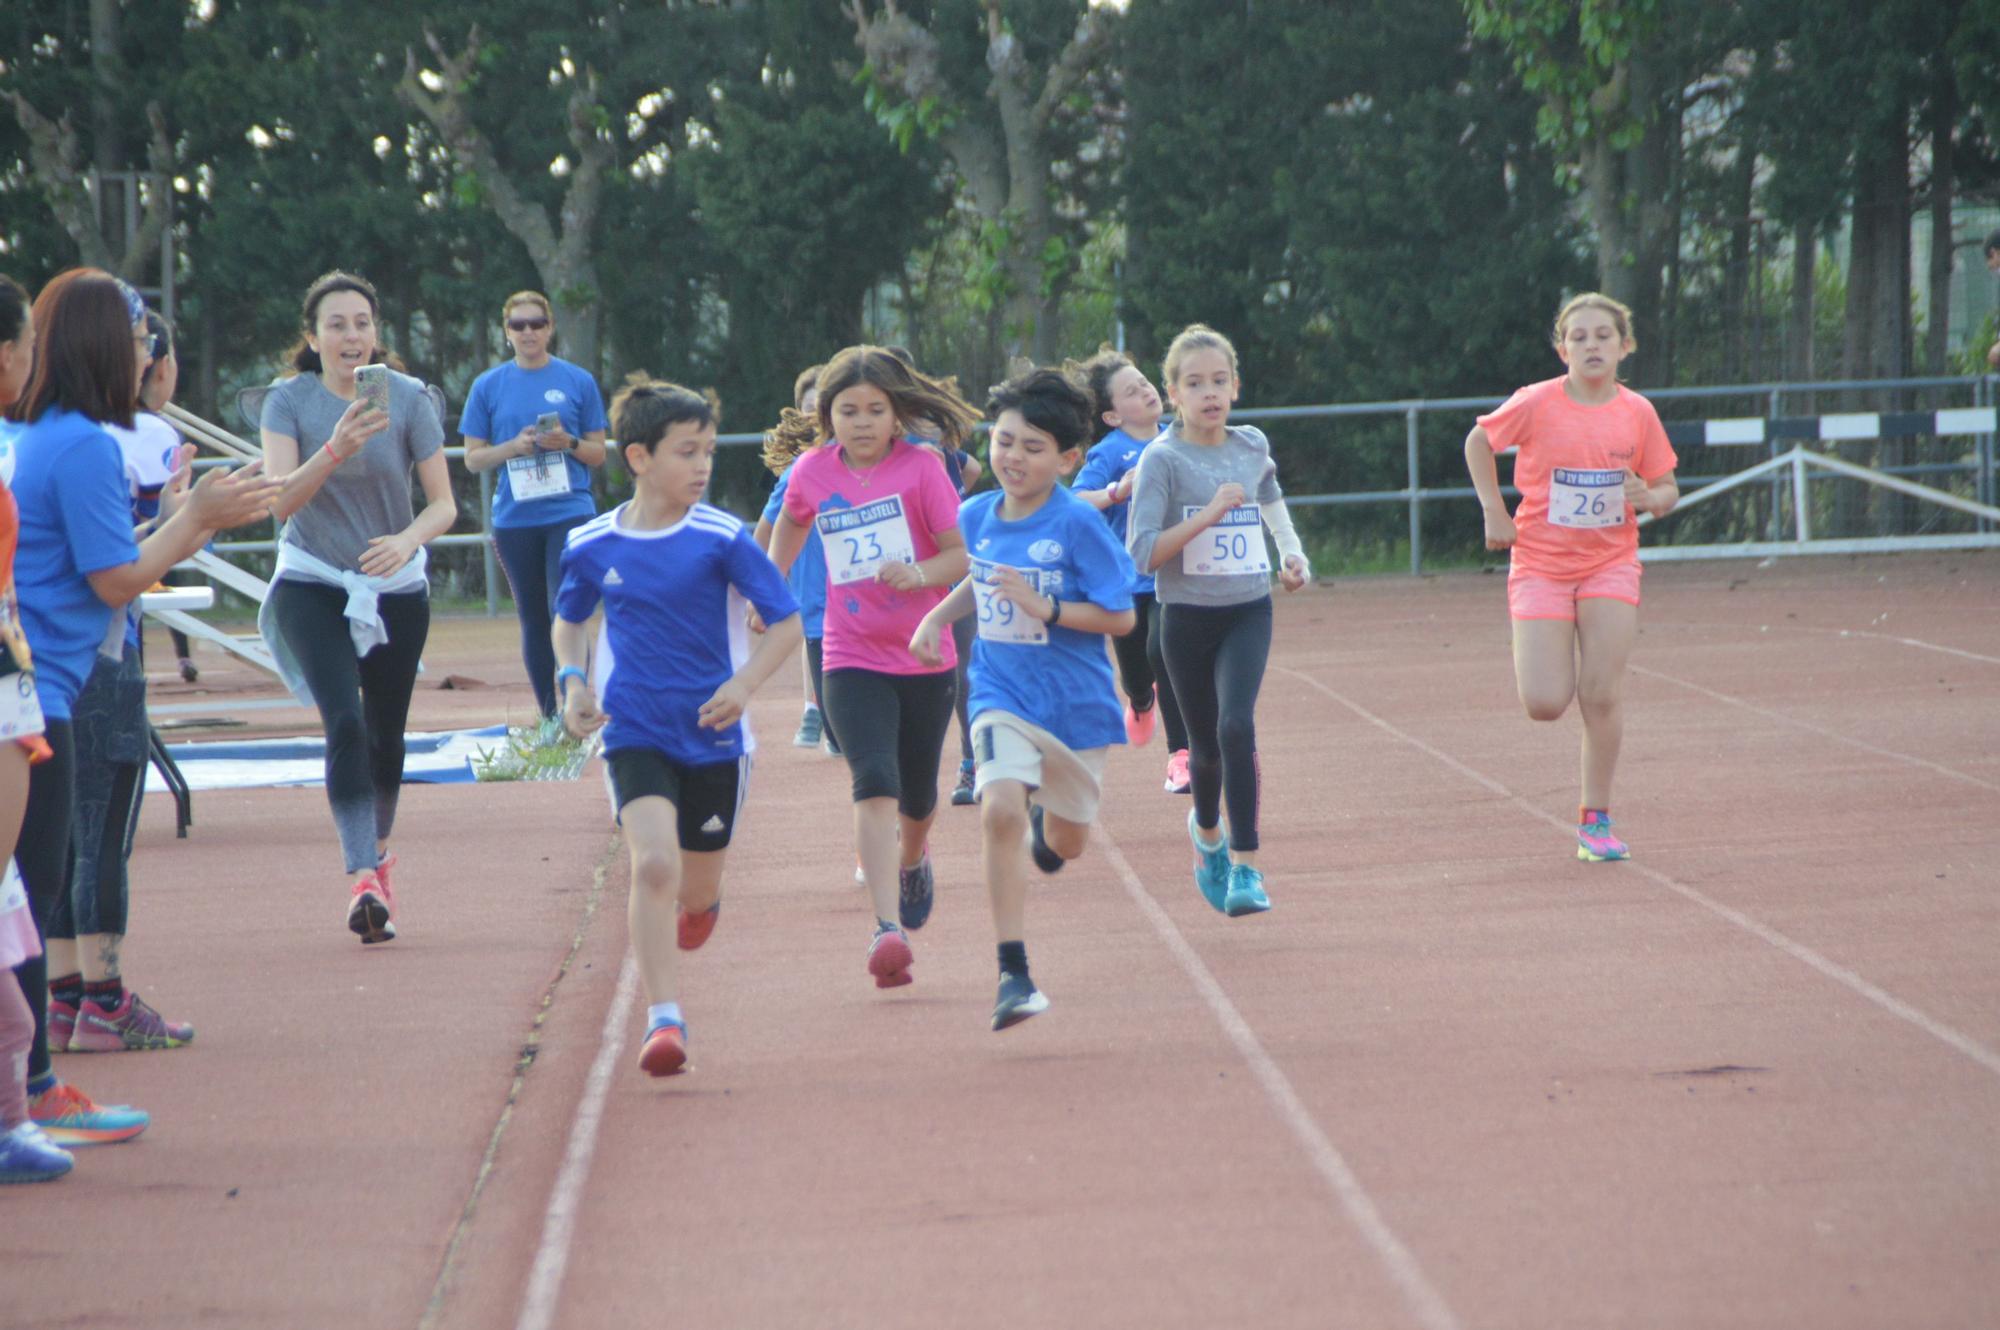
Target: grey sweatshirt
[1175, 476]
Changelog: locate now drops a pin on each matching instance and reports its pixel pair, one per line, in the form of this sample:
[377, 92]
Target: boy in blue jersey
[1048, 582]
[675, 673]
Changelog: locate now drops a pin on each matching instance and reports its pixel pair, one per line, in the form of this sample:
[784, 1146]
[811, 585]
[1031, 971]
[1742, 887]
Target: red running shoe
[371, 911]
[665, 1051]
[890, 957]
[691, 930]
[1139, 724]
[132, 1024]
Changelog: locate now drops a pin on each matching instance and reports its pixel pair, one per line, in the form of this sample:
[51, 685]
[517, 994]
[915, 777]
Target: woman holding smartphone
[539, 422]
[349, 607]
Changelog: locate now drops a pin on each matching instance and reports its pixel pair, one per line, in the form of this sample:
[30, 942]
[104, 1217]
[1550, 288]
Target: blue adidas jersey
[674, 627]
[1056, 677]
[1115, 454]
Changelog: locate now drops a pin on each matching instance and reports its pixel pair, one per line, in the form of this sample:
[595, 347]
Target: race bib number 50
[1586, 498]
[860, 541]
[1231, 547]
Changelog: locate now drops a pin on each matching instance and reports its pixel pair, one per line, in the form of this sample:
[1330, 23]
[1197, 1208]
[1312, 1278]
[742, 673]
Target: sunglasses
[527, 325]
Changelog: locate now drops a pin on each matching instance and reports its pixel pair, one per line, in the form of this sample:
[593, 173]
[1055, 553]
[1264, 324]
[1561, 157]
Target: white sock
[664, 1013]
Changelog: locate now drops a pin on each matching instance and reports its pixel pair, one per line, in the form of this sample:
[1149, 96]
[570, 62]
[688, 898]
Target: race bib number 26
[860, 541]
[1586, 498]
[1231, 547]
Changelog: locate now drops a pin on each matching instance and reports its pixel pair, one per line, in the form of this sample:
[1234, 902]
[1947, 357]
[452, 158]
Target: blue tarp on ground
[434, 759]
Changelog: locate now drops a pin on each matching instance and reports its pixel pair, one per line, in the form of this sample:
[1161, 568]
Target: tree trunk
[1799, 332]
[1944, 187]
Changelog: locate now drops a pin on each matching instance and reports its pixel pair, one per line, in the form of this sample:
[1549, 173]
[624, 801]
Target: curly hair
[912, 394]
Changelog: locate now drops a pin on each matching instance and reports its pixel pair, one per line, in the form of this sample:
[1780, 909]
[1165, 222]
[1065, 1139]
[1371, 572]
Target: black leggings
[109, 730]
[1142, 669]
[815, 658]
[892, 730]
[1216, 655]
[363, 702]
[43, 858]
[963, 630]
[532, 558]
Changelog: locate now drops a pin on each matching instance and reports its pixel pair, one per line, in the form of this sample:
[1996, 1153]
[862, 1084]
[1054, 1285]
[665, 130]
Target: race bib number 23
[859, 542]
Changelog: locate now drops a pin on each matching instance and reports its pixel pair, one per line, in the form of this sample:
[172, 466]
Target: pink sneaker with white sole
[1595, 843]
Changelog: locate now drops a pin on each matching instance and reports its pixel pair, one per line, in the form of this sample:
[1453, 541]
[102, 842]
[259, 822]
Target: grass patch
[536, 752]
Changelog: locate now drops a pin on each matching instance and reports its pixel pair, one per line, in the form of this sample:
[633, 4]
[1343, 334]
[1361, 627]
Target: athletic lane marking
[1918, 643]
[1423, 1299]
[1798, 951]
[1779, 716]
[545, 1274]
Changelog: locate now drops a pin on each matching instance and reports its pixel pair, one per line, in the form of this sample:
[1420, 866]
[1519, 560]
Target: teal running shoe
[1594, 842]
[1211, 866]
[1246, 892]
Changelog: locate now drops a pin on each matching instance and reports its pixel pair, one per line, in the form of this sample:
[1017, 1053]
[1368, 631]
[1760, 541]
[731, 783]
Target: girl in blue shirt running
[1048, 582]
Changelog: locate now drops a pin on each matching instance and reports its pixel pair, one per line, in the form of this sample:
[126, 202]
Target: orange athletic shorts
[1530, 596]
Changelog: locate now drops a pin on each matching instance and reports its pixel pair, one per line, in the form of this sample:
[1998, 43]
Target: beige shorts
[1067, 783]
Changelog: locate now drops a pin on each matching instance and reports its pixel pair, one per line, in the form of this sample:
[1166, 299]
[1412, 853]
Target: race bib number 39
[860, 541]
[1586, 498]
[1231, 547]
[540, 477]
[1000, 619]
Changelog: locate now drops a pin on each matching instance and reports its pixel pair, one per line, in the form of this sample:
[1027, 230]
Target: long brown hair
[85, 358]
[300, 357]
[912, 394]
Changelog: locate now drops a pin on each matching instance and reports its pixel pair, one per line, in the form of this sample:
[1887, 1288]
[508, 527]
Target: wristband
[565, 674]
[337, 458]
[922, 579]
[1055, 612]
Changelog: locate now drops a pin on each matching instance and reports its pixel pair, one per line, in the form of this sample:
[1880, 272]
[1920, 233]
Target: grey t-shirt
[369, 494]
[1174, 476]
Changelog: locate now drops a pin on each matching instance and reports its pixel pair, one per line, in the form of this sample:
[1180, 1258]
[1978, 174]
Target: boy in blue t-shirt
[675, 672]
[1048, 582]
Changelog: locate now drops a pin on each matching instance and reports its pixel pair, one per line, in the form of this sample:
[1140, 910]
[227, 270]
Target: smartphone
[371, 385]
[547, 423]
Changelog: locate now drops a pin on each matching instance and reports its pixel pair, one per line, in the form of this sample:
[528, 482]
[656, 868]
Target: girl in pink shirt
[887, 517]
[1591, 456]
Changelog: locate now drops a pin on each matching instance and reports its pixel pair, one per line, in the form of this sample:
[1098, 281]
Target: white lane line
[545, 1276]
[1847, 978]
[1835, 735]
[1919, 645]
[1425, 1302]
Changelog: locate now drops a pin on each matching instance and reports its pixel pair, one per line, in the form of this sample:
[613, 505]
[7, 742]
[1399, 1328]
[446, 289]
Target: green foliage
[540, 752]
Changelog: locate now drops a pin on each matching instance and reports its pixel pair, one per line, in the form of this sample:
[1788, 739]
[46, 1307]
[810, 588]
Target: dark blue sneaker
[1211, 865]
[1019, 999]
[28, 1155]
[1045, 859]
[1246, 892]
[916, 890]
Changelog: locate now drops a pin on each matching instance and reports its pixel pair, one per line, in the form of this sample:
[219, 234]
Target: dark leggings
[892, 729]
[815, 658]
[1216, 655]
[363, 702]
[43, 858]
[109, 729]
[1142, 669]
[532, 558]
[963, 630]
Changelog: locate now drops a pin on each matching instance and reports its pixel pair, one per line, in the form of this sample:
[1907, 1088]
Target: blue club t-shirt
[1115, 454]
[508, 399]
[674, 628]
[1063, 684]
[808, 575]
[68, 478]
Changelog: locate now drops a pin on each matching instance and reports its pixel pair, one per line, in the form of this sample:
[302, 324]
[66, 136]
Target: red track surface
[1455, 1078]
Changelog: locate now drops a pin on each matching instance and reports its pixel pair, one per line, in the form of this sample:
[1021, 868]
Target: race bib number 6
[1231, 547]
[1586, 498]
[859, 542]
[1000, 619]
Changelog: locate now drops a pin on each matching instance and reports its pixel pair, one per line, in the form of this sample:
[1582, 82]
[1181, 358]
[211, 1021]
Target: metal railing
[1415, 494]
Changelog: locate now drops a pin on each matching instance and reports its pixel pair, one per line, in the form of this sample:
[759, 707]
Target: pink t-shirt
[1573, 519]
[892, 513]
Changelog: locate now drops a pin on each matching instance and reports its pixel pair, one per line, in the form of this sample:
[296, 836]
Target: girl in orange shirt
[1591, 456]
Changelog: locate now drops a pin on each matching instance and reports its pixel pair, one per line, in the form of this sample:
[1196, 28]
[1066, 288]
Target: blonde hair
[1620, 314]
[1196, 337]
[913, 395]
[527, 298]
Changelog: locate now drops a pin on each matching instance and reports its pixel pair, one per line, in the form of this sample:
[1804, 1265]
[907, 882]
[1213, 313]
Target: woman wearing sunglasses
[539, 423]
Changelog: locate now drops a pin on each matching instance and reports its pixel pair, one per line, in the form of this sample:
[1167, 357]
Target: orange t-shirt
[1573, 518]
[14, 653]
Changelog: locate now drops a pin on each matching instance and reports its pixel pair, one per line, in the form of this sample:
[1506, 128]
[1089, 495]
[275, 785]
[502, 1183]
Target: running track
[1455, 1079]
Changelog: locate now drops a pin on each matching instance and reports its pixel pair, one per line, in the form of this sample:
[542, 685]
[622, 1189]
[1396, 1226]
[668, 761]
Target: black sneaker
[1045, 859]
[961, 793]
[1018, 1000]
[916, 892]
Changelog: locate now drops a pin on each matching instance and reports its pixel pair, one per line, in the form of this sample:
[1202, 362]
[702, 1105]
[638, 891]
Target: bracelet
[565, 674]
[922, 578]
[1055, 612]
[337, 458]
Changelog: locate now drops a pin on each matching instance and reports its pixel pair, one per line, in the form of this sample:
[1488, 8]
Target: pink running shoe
[132, 1024]
[371, 911]
[1595, 843]
[1178, 780]
[1139, 724]
[890, 957]
[62, 1025]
